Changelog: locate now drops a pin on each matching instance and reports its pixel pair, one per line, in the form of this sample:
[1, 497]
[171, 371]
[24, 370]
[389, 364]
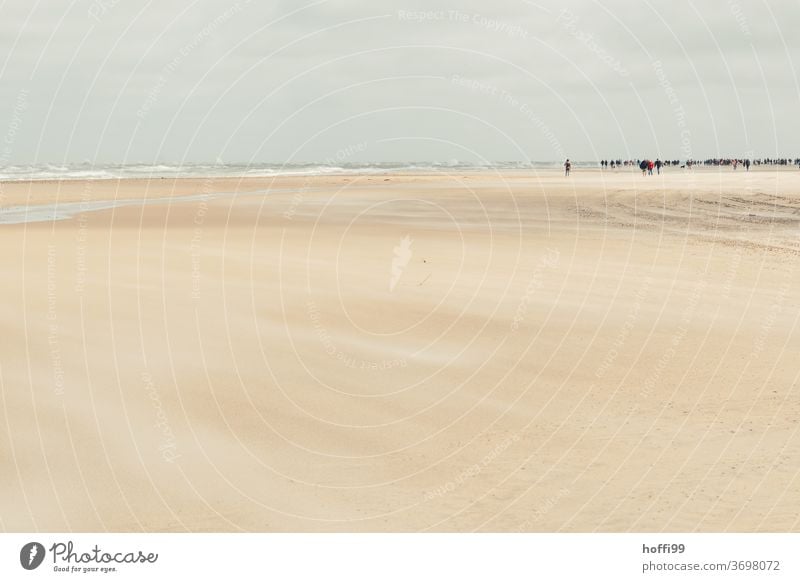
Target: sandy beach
[471, 352]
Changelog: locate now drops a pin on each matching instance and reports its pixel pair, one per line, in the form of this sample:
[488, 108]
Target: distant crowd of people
[624, 163]
[647, 166]
[757, 162]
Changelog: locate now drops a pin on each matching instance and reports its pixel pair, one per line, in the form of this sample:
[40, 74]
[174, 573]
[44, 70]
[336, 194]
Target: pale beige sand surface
[606, 352]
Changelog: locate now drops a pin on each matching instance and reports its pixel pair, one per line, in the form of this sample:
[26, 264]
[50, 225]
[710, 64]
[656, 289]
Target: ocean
[85, 171]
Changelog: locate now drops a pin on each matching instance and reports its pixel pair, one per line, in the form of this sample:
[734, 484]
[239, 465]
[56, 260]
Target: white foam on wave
[118, 171]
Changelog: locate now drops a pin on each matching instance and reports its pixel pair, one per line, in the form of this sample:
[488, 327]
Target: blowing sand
[517, 352]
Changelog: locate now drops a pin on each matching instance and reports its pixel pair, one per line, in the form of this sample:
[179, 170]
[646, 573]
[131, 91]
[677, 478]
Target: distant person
[643, 166]
[747, 164]
[567, 167]
[650, 166]
[658, 165]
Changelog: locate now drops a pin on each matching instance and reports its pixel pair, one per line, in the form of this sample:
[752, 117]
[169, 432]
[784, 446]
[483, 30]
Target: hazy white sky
[290, 81]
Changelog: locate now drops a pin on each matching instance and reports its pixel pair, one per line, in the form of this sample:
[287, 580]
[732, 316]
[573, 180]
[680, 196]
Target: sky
[118, 81]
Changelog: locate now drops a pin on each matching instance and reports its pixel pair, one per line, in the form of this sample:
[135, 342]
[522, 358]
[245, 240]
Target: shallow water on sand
[67, 210]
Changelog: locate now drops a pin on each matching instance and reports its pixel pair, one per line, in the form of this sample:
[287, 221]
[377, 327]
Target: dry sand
[607, 352]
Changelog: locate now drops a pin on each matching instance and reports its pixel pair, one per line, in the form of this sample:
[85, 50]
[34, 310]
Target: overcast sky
[292, 81]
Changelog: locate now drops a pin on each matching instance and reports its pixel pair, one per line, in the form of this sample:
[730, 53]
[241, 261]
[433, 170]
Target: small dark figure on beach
[567, 167]
[747, 165]
[658, 165]
[643, 166]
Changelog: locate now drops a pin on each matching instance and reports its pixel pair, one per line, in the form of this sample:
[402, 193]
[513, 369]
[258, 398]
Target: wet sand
[516, 352]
